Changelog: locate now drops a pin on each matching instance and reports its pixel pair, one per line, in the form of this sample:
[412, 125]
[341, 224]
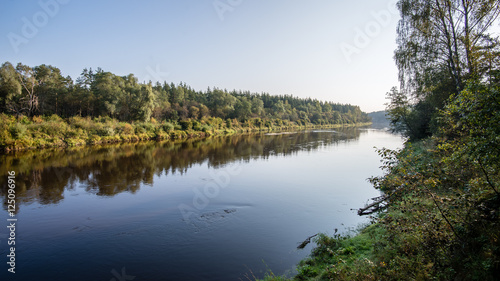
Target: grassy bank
[21, 133]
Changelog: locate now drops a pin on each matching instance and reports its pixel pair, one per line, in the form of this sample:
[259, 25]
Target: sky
[330, 50]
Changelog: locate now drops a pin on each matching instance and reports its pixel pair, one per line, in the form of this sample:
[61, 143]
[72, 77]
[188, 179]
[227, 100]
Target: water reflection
[43, 176]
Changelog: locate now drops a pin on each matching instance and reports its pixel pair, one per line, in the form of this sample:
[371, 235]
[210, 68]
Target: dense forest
[43, 90]
[40, 108]
[438, 216]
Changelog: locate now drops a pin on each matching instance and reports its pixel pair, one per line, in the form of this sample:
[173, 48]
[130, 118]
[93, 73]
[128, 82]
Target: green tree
[471, 124]
[28, 103]
[51, 88]
[143, 103]
[10, 89]
[110, 99]
[442, 44]
[411, 120]
[221, 103]
[176, 94]
[242, 108]
[257, 106]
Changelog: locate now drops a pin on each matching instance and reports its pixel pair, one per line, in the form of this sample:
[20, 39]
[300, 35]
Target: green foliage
[441, 45]
[53, 131]
[167, 127]
[471, 124]
[124, 128]
[42, 90]
[412, 120]
[442, 217]
[343, 257]
[10, 88]
[17, 130]
[186, 125]
[229, 123]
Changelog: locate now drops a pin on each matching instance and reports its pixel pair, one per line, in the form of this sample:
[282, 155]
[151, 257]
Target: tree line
[43, 90]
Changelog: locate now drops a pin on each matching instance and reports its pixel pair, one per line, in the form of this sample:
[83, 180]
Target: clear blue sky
[333, 50]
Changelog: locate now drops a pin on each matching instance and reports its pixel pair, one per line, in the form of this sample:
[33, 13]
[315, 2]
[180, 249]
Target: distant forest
[380, 119]
[42, 90]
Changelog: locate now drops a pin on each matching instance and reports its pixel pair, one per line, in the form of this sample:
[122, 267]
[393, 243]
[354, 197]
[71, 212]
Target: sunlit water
[227, 208]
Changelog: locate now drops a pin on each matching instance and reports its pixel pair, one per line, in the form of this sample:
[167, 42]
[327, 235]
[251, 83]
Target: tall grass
[21, 132]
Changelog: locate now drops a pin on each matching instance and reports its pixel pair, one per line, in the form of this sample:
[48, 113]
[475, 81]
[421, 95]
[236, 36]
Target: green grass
[340, 257]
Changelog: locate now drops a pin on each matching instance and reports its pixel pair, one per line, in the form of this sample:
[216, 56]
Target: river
[223, 208]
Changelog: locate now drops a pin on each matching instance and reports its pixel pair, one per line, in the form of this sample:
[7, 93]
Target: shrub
[80, 122]
[103, 119]
[74, 132]
[54, 118]
[229, 123]
[17, 130]
[125, 128]
[37, 119]
[51, 128]
[186, 125]
[197, 126]
[167, 127]
[23, 120]
[105, 131]
[206, 128]
[94, 139]
[141, 128]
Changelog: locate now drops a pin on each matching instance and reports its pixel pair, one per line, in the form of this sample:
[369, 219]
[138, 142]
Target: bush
[52, 128]
[103, 119]
[167, 127]
[142, 128]
[186, 125]
[197, 126]
[74, 133]
[23, 120]
[37, 119]
[54, 118]
[206, 128]
[106, 131]
[17, 130]
[80, 122]
[139, 130]
[125, 128]
[229, 123]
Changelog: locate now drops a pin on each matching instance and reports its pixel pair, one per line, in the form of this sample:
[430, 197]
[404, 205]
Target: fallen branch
[373, 207]
[307, 241]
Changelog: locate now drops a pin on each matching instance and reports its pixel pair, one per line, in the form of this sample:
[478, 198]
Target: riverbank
[438, 220]
[23, 133]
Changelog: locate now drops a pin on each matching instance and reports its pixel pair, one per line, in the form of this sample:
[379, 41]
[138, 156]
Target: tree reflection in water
[43, 176]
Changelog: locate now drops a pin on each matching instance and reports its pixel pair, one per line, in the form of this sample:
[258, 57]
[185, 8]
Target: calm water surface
[223, 208]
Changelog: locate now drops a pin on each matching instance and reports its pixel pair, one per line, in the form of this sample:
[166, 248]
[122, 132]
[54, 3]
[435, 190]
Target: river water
[223, 208]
